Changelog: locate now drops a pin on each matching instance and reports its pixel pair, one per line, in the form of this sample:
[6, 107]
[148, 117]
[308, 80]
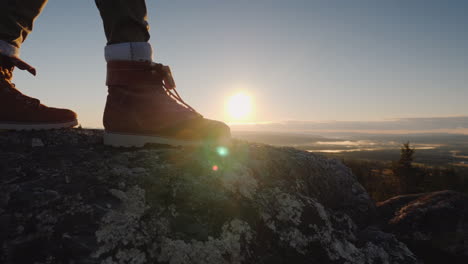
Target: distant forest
[383, 179]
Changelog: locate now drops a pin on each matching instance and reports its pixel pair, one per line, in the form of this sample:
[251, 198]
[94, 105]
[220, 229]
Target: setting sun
[239, 106]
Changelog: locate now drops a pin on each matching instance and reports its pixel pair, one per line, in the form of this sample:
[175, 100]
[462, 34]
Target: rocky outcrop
[66, 198]
[434, 225]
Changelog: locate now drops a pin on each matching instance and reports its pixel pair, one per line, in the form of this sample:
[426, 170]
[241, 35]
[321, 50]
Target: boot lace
[6, 74]
[170, 86]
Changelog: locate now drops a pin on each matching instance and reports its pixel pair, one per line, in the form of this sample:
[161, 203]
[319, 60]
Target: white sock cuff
[129, 51]
[8, 50]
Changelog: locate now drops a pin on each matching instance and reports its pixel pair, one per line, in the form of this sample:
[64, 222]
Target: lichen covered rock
[435, 225]
[73, 200]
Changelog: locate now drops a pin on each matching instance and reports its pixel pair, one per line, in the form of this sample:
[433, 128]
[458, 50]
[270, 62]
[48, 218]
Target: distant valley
[431, 149]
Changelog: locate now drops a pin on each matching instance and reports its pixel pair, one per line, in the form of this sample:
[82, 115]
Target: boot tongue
[22, 65]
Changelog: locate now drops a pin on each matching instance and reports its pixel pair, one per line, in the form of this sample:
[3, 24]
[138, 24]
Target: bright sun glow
[239, 106]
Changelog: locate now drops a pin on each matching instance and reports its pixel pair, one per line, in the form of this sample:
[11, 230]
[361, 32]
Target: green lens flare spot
[222, 151]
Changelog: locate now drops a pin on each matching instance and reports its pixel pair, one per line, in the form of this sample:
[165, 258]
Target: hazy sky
[300, 59]
[454, 125]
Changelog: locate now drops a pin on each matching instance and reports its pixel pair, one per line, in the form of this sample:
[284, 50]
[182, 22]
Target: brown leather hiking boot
[21, 112]
[144, 107]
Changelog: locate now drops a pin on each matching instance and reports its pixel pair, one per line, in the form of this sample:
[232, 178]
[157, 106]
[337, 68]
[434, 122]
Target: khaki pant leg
[17, 18]
[124, 20]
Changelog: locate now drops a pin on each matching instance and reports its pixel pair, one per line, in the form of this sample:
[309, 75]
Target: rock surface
[66, 198]
[434, 225]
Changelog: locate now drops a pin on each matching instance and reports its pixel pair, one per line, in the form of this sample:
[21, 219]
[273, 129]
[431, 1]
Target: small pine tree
[406, 156]
[409, 177]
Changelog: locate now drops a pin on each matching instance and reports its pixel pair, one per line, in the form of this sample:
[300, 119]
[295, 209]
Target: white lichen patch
[122, 230]
[291, 208]
[282, 213]
[239, 180]
[280, 206]
[296, 239]
[37, 142]
[228, 248]
[336, 235]
[125, 237]
[121, 171]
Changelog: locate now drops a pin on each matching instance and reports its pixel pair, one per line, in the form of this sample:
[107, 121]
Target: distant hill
[279, 138]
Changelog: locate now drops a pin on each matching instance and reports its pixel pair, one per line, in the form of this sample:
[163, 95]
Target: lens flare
[215, 168]
[222, 151]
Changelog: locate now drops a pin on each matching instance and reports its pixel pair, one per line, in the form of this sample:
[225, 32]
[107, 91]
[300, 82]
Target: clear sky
[299, 59]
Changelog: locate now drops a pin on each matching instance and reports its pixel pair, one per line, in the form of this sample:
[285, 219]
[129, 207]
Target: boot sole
[130, 140]
[37, 126]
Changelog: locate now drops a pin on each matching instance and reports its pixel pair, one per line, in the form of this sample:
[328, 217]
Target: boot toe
[69, 115]
[217, 130]
[59, 115]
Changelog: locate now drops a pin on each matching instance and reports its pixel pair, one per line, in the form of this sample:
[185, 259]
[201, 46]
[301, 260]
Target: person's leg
[18, 111]
[126, 28]
[124, 20]
[142, 105]
[16, 22]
